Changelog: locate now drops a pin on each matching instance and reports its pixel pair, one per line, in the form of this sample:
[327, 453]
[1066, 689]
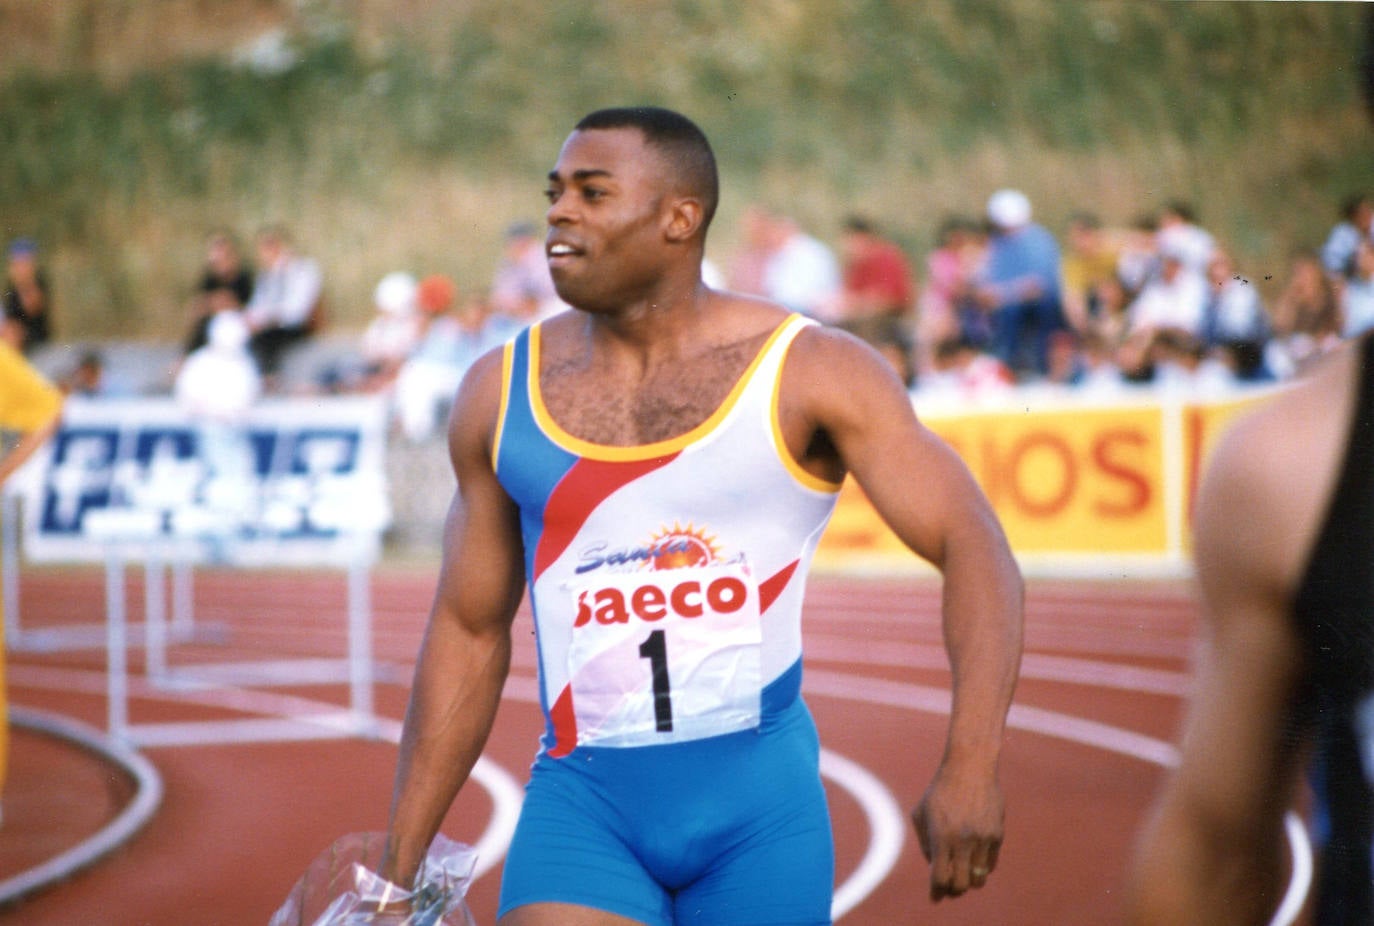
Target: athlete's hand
[959, 824]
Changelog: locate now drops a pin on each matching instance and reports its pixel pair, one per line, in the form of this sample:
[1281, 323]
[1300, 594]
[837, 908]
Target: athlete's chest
[612, 407]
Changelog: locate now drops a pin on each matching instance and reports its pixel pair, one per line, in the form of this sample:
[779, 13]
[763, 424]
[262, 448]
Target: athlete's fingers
[959, 870]
[961, 856]
[942, 867]
[964, 864]
[941, 848]
[982, 861]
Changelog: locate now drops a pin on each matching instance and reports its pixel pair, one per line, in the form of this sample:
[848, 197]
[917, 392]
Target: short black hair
[682, 142]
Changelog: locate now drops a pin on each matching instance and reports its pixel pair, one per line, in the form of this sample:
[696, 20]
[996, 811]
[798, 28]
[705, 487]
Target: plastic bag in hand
[342, 887]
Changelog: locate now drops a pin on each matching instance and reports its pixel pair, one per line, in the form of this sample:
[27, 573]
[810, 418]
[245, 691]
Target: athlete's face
[608, 209]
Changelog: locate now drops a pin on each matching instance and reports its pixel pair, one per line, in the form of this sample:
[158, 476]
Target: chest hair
[663, 402]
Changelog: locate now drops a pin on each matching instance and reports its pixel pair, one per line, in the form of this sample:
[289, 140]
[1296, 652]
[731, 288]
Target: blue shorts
[733, 829]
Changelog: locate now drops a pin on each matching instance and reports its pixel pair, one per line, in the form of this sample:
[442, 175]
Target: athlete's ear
[683, 219]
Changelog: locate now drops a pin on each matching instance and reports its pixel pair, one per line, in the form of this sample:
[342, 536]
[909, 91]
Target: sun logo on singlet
[679, 547]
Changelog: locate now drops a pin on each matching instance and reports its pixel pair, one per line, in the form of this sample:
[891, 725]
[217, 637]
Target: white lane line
[1092, 733]
[132, 818]
[496, 839]
[1021, 717]
[887, 830]
[506, 794]
[1075, 729]
[1301, 881]
[882, 811]
[507, 798]
[1091, 672]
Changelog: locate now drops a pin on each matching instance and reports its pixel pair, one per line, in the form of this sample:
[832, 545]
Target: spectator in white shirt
[1356, 225]
[801, 272]
[1180, 234]
[286, 304]
[1174, 299]
[1172, 303]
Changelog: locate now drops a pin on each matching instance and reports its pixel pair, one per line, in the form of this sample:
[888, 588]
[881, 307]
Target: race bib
[664, 657]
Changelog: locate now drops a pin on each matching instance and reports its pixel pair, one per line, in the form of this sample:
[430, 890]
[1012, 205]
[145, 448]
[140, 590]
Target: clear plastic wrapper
[342, 887]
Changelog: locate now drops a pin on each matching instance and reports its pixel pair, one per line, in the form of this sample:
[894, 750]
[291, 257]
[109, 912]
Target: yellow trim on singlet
[616, 454]
[805, 479]
[507, 364]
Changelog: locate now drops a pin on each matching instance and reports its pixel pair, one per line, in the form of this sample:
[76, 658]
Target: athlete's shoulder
[1295, 431]
[824, 357]
[1267, 483]
[487, 372]
[478, 402]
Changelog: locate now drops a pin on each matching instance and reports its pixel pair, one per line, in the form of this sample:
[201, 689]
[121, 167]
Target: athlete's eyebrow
[586, 173]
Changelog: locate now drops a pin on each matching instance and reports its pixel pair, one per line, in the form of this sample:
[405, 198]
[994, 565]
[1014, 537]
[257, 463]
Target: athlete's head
[629, 202]
[678, 140]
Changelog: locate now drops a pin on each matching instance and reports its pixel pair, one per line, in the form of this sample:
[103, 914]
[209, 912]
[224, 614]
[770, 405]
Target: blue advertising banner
[296, 482]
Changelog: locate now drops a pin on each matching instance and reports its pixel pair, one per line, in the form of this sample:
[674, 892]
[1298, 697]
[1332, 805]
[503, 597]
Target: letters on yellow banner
[1077, 482]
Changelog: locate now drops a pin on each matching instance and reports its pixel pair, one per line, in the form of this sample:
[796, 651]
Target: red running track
[1101, 697]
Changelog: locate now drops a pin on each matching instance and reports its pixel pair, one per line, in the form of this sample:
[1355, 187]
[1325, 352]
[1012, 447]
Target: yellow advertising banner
[1077, 482]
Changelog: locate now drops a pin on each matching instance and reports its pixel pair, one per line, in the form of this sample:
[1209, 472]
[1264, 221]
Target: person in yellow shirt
[1090, 259]
[30, 406]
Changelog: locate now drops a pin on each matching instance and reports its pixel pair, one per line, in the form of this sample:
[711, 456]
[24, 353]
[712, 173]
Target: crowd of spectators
[420, 340]
[998, 302]
[252, 326]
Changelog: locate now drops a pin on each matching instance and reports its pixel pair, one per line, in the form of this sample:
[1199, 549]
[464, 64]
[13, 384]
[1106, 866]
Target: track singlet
[666, 579]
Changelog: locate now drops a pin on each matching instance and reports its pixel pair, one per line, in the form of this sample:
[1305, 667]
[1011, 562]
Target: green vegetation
[400, 142]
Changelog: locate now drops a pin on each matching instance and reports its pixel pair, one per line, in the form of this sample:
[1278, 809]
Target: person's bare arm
[465, 656]
[926, 494]
[1213, 849]
[26, 447]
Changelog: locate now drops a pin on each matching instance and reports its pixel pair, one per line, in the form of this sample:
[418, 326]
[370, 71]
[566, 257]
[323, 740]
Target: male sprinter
[658, 465]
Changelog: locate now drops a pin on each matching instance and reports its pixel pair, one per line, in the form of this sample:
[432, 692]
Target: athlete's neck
[649, 332]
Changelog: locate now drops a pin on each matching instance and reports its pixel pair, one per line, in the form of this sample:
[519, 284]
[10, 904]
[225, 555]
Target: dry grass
[411, 133]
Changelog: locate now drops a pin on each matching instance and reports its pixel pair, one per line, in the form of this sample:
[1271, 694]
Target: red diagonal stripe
[587, 484]
[564, 724]
[771, 588]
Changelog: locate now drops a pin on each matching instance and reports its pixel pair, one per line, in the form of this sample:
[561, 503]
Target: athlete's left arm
[843, 403]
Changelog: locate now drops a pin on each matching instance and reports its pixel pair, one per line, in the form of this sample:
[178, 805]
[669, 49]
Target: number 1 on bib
[655, 649]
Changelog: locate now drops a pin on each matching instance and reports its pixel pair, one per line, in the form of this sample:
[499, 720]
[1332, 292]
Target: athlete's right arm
[465, 655]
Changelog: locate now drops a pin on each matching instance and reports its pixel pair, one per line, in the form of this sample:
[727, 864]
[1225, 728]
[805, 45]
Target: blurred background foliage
[400, 134]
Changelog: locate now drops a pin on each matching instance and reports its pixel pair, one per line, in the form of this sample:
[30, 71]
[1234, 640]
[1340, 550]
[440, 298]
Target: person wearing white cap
[1019, 287]
[392, 334]
[219, 381]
